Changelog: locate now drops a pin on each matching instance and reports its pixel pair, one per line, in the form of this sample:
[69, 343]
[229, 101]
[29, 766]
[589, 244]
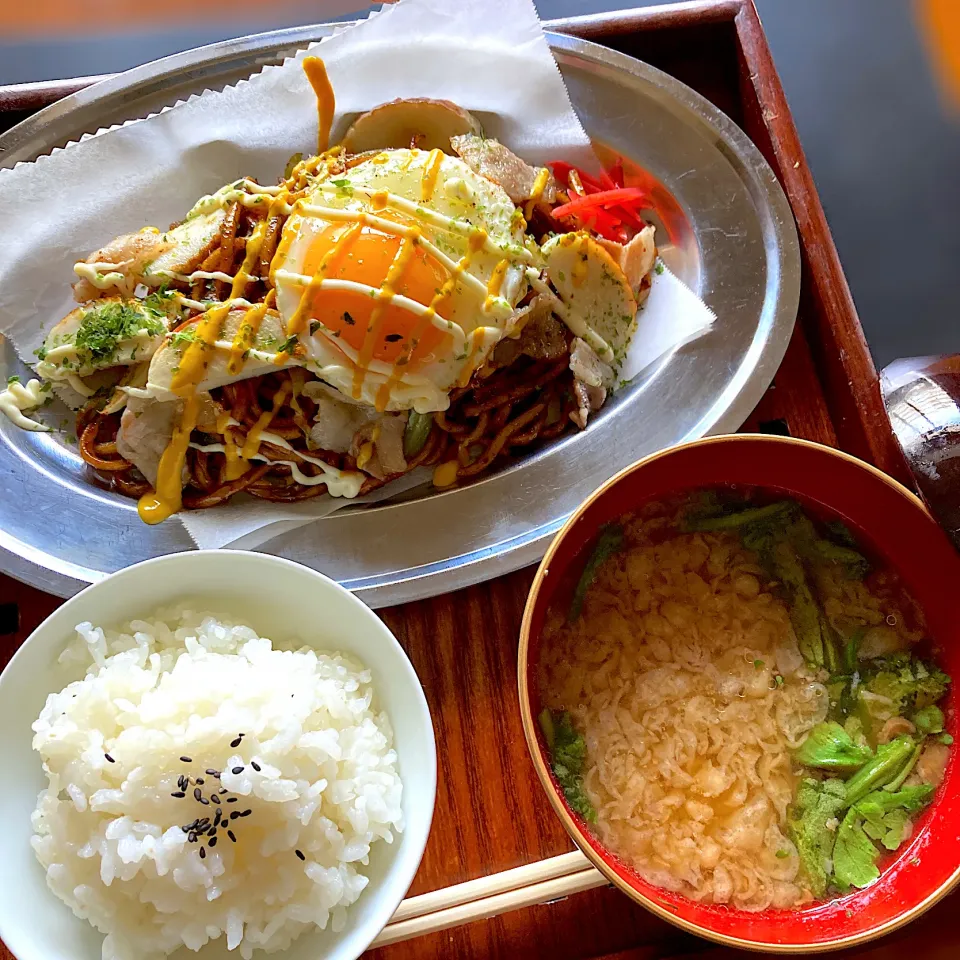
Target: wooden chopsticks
[486, 897]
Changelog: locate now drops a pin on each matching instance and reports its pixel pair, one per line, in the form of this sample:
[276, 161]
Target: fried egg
[400, 275]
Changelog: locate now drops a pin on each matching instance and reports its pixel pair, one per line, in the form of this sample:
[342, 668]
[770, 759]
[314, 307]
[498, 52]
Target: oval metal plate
[734, 242]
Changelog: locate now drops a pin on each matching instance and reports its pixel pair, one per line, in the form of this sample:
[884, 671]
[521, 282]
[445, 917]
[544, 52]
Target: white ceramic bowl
[280, 600]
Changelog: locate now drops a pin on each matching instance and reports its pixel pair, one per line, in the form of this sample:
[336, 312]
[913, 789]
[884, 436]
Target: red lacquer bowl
[891, 521]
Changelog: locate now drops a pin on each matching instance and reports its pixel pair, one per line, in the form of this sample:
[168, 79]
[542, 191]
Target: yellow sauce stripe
[196, 357]
[234, 467]
[316, 73]
[245, 338]
[252, 443]
[495, 284]
[408, 247]
[939, 22]
[331, 260]
[251, 255]
[283, 247]
[167, 499]
[431, 170]
[475, 243]
[539, 185]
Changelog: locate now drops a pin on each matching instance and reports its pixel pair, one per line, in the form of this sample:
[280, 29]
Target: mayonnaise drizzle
[94, 273]
[340, 483]
[196, 275]
[419, 212]
[375, 293]
[578, 326]
[19, 397]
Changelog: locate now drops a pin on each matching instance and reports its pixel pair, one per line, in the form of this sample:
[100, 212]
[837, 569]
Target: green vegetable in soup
[772, 512]
[804, 612]
[887, 814]
[850, 648]
[883, 768]
[880, 817]
[928, 719]
[416, 433]
[609, 542]
[568, 751]
[854, 565]
[908, 683]
[854, 854]
[829, 747]
[817, 804]
[840, 533]
[898, 781]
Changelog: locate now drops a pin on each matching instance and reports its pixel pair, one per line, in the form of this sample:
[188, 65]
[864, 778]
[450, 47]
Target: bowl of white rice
[214, 751]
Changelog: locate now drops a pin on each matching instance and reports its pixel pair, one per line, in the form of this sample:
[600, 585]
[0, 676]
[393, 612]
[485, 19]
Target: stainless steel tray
[738, 249]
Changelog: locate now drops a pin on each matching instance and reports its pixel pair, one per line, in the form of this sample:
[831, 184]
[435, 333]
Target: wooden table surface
[491, 813]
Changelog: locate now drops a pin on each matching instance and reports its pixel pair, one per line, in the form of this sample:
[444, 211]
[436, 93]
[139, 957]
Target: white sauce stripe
[340, 483]
[577, 325]
[376, 293]
[422, 213]
[197, 275]
[94, 273]
[19, 397]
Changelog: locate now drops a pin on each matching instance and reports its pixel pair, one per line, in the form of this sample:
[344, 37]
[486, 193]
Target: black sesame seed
[232, 836]
[199, 780]
[231, 799]
[179, 794]
[235, 814]
[214, 798]
[192, 837]
[204, 801]
[255, 765]
[203, 853]
[183, 782]
[218, 817]
[204, 822]
[196, 793]
[223, 790]
[186, 760]
[109, 758]
[210, 772]
[212, 841]
[246, 813]
[235, 743]
[237, 770]
[299, 853]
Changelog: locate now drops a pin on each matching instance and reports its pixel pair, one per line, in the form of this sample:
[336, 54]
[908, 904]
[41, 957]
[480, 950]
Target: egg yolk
[366, 257]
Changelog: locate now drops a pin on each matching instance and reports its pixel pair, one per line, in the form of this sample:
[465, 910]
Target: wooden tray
[491, 814]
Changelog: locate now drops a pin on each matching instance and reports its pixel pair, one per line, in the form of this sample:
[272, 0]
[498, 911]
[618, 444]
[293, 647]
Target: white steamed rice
[185, 684]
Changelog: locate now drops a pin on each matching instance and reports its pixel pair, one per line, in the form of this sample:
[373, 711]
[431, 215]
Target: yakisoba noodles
[415, 295]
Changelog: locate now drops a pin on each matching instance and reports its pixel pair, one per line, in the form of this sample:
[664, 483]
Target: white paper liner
[489, 56]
